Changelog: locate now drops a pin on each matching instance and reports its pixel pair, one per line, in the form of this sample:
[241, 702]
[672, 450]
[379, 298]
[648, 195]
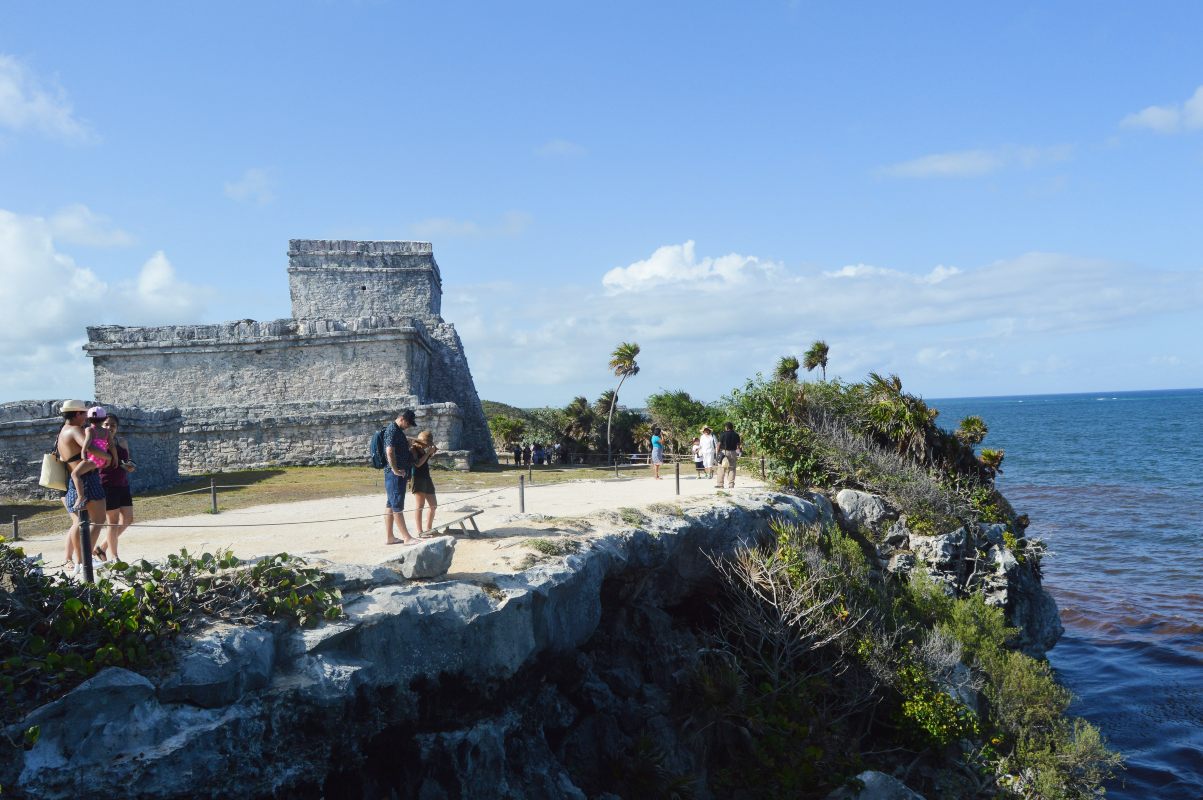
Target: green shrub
[57, 632]
[931, 713]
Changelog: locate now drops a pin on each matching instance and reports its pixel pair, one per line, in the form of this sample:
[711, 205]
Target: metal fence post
[678, 477]
[16, 529]
[213, 493]
[762, 475]
[85, 544]
[521, 494]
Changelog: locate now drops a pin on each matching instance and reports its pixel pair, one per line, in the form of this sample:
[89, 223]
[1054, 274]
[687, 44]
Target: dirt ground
[350, 530]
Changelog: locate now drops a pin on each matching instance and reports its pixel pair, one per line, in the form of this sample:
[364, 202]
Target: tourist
[517, 454]
[525, 455]
[96, 454]
[396, 475]
[115, 479]
[707, 446]
[728, 447]
[88, 492]
[696, 447]
[657, 452]
[423, 485]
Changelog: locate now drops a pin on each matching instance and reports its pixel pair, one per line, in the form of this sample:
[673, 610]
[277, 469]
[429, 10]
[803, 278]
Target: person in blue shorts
[396, 477]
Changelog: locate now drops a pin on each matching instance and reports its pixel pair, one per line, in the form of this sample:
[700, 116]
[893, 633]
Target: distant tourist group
[98, 461]
[538, 453]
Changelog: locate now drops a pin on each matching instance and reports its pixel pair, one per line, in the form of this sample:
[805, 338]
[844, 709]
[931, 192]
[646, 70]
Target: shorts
[394, 489]
[657, 455]
[92, 489]
[117, 497]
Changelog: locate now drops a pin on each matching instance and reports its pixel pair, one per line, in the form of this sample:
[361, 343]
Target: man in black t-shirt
[728, 452]
[396, 476]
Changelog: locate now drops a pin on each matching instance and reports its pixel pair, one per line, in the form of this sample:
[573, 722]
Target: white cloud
[49, 300]
[512, 223]
[78, 224]
[1170, 118]
[28, 104]
[255, 186]
[975, 163]
[706, 323]
[560, 148]
[679, 264]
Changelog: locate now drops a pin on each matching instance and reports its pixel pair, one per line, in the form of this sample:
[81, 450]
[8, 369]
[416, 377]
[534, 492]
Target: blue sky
[984, 200]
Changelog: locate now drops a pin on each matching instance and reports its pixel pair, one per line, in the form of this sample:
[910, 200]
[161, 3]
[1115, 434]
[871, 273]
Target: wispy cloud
[30, 104]
[254, 187]
[560, 148]
[1173, 118]
[78, 224]
[975, 163]
[512, 223]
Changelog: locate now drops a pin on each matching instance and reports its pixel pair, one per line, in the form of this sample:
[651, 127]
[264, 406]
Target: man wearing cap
[396, 476]
[70, 447]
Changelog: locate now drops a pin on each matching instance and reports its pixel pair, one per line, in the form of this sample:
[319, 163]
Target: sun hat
[96, 412]
[73, 405]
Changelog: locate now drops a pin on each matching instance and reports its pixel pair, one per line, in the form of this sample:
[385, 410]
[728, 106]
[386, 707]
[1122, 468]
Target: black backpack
[379, 461]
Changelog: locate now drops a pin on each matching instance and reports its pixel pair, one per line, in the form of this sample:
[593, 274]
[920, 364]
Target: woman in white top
[707, 444]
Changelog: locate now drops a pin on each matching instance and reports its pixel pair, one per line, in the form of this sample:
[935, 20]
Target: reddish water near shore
[1114, 483]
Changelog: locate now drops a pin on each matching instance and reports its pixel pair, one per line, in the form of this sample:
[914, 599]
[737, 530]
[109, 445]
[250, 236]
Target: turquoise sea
[1113, 482]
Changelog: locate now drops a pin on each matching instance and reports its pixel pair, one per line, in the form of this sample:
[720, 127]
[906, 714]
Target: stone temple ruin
[365, 340]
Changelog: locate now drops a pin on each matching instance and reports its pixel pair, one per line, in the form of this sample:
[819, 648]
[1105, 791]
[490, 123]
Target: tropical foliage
[58, 632]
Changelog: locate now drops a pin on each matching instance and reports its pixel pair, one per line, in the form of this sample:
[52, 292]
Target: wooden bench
[443, 526]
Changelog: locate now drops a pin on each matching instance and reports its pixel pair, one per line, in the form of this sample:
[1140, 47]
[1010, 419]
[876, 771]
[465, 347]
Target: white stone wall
[250, 363]
[28, 430]
[301, 434]
[347, 279]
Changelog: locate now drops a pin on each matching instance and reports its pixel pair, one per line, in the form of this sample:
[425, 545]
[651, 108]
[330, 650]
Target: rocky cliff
[560, 681]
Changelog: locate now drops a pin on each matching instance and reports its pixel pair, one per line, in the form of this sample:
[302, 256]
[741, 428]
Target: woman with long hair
[423, 485]
[115, 479]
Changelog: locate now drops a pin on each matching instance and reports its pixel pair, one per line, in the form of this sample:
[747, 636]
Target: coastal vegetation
[58, 632]
[832, 665]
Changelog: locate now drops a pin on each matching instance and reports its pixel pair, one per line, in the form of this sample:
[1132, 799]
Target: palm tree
[816, 356]
[622, 362]
[787, 369]
[578, 419]
[604, 402]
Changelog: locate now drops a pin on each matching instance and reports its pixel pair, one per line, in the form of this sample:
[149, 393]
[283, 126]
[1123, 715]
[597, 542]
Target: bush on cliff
[819, 667]
[56, 632]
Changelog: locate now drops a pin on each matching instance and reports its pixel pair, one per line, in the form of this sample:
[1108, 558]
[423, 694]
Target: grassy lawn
[283, 485]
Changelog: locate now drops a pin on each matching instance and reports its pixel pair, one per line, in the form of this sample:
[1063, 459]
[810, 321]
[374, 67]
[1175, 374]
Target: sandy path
[350, 530]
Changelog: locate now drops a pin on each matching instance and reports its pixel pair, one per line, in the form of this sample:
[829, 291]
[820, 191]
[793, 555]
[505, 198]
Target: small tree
[816, 356]
[622, 362]
[505, 430]
[787, 369]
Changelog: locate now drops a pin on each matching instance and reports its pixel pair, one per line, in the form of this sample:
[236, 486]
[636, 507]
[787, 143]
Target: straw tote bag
[54, 472]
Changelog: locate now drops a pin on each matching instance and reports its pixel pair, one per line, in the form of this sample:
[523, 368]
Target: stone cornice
[252, 335]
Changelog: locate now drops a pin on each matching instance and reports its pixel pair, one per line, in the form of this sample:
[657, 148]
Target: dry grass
[283, 485]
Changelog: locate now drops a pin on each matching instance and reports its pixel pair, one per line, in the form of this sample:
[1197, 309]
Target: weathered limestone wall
[348, 279]
[451, 381]
[260, 363]
[28, 430]
[300, 434]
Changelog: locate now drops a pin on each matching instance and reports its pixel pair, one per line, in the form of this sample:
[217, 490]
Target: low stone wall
[28, 430]
[302, 434]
